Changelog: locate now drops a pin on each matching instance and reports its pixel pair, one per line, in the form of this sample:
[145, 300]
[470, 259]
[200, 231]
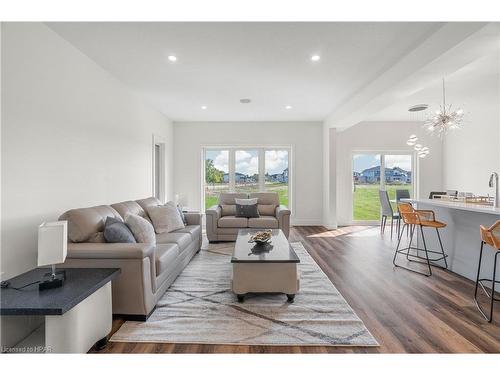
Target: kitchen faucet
[494, 183]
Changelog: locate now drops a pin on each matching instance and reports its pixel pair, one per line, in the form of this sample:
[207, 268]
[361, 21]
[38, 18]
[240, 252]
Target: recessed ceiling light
[172, 58]
[315, 57]
[418, 108]
[288, 107]
[204, 107]
[245, 101]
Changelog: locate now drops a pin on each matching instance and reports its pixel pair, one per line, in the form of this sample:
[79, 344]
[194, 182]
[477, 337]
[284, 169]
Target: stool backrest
[491, 235]
[408, 213]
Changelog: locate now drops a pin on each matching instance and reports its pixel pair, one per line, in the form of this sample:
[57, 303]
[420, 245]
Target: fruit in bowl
[261, 237]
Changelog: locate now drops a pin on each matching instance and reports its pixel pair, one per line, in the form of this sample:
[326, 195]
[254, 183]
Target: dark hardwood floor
[406, 312]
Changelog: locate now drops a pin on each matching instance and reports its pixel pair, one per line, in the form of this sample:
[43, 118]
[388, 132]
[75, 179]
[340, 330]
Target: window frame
[232, 165]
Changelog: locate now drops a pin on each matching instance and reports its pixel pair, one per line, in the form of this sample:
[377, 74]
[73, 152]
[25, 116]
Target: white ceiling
[219, 63]
[473, 82]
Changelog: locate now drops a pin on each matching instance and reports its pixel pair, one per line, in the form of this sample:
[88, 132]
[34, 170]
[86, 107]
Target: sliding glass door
[246, 170]
[372, 172]
[366, 184]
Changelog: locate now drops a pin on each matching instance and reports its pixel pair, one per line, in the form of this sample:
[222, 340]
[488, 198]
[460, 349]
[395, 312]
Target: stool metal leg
[479, 283]
[426, 253]
[493, 282]
[442, 249]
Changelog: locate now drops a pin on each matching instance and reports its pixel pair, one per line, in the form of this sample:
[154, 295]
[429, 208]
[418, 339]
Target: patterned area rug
[200, 308]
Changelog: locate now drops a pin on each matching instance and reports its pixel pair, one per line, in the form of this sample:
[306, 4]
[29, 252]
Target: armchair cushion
[266, 209]
[265, 222]
[233, 222]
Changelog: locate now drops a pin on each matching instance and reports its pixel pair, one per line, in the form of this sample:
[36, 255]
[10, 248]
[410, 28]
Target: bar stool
[423, 219]
[489, 236]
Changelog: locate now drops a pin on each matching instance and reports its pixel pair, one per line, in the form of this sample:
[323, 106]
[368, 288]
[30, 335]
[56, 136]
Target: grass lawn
[212, 195]
[367, 203]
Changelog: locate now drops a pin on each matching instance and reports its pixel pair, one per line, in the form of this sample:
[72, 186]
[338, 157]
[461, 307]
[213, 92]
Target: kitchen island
[461, 238]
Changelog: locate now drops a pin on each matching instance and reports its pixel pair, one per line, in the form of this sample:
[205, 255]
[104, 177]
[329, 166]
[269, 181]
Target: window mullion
[262, 169]
[232, 167]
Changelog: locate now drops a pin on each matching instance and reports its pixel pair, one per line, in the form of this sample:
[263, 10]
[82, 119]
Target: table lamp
[52, 249]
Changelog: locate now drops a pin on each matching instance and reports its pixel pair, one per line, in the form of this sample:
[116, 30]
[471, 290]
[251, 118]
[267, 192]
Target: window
[276, 173]
[374, 171]
[246, 170]
[216, 175]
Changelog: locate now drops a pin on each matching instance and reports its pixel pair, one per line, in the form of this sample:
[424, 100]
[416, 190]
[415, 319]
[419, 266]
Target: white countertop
[457, 205]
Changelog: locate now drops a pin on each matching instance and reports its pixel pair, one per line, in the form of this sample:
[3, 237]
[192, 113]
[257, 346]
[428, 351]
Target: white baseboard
[306, 222]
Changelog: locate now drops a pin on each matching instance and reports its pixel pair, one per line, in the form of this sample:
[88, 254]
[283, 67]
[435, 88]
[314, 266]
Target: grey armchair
[223, 225]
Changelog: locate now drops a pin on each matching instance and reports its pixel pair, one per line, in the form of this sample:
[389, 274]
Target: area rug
[200, 308]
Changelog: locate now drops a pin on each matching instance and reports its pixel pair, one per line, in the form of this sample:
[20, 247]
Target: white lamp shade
[52, 243]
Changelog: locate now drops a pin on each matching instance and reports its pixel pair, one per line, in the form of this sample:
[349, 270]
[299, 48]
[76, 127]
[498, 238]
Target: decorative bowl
[261, 237]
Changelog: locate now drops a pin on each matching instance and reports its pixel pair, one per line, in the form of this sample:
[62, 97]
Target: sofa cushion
[267, 222]
[148, 202]
[228, 209]
[166, 255]
[116, 231]
[233, 222]
[165, 218]
[267, 209]
[141, 228]
[83, 223]
[183, 240]
[266, 198]
[228, 198]
[130, 208]
[193, 230]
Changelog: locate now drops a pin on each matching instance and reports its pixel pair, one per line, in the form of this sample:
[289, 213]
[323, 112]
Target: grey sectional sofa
[223, 225]
[146, 270]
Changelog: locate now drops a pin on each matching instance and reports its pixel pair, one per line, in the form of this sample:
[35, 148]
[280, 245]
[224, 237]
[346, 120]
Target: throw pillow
[247, 210]
[245, 201]
[165, 218]
[116, 231]
[141, 228]
[181, 213]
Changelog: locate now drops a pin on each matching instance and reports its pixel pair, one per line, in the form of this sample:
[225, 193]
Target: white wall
[72, 136]
[305, 138]
[383, 136]
[473, 152]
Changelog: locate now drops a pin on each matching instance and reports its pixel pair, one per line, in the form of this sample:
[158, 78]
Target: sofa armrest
[193, 218]
[282, 211]
[283, 216]
[212, 217]
[214, 211]
[91, 250]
